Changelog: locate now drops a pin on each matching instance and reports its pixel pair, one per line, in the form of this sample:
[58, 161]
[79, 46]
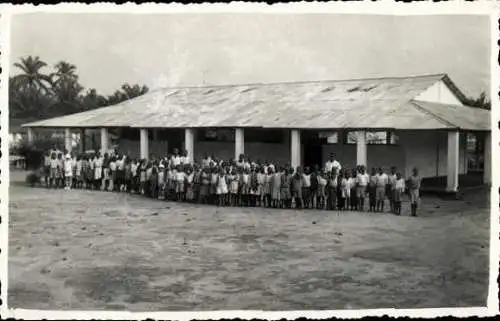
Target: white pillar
[104, 140]
[144, 143]
[67, 140]
[295, 148]
[487, 158]
[31, 136]
[361, 153]
[239, 142]
[82, 140]
[189, 143]
[453, 161]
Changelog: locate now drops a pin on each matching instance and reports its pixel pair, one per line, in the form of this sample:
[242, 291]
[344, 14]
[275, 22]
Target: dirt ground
[97, 250]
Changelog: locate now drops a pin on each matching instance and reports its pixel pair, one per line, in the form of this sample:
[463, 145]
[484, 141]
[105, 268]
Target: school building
[418, 121]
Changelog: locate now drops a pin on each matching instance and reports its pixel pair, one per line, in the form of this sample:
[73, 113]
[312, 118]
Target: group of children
[234, 183]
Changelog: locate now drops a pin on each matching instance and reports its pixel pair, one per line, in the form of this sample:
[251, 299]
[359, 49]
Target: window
[474, 148]
[331, 137]
[270, 136]
[373, 138]
[218, 135]
[129, 133]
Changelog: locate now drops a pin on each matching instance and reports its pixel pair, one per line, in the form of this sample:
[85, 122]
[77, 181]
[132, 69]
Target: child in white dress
[221, 188]
[68, 172]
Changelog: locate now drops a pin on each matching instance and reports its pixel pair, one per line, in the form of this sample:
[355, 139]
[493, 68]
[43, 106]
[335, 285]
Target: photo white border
[386, 7]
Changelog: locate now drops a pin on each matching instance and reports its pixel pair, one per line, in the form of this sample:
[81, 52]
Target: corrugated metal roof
[463, 117]
[361, 103]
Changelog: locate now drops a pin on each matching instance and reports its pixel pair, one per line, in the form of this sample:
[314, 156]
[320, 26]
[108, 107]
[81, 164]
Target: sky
[228, 48]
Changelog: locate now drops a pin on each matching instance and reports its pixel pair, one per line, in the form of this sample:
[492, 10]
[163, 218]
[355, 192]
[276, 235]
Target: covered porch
[440, 155]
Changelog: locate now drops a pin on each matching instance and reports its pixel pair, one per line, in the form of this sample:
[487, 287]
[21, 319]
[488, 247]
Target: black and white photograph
[254, 161]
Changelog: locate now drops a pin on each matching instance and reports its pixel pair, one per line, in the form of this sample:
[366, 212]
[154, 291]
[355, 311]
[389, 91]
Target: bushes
[32, 179]
[33, 153]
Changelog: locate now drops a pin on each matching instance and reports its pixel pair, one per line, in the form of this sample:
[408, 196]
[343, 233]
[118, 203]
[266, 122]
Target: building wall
[440, 93]
[132, 147]
[426, 150]
[256, 151]
[377, 155]
[221, 150]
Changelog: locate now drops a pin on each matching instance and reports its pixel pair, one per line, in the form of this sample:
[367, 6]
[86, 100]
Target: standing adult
[414, 187]
[332, 163]
[176, 158]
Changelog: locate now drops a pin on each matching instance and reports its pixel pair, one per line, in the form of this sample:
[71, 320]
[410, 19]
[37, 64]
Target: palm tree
[66, 89]
[23, 103]
[32, 79]
[64, 72]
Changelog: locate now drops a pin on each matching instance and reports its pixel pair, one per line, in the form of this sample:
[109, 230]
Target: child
[73, 170]
[213, 186]
[161, 181]
[171, 183]
[205, 185]
[142, 177]
[332, 185]
[79, 172]
[134, 169]
[286, 195]
[320, 192]
[180, 177]
[46, 168]
[149, 173]
[372, 191]
[127, 175]
[362, 180]
[306, 188]
[113, 184]
[245, 186]
[261, 186]
[97, 166]
[189, 185]
[254, 186]
[153, 181]
[68, 172]
[276, 189]
[89, 172]
[297, 185]
[53, 170]
[221, 189]
[391, 186]
[353, 204]
[267, 187]
[60, 170]
[399, 188]
[313, 190]
[196, 183]
[382, 182]
[120, 172]
[233, 180]
[414, 187]
[345, 190]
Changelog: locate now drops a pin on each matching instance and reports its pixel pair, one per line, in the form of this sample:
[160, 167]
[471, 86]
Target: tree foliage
[37, 93]
[480, 102]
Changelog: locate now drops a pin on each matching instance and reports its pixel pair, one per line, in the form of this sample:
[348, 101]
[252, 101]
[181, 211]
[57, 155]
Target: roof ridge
[298, 82]
[427, 111]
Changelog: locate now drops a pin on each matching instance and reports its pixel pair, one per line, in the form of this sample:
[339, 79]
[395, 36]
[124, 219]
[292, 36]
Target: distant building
[418, 121]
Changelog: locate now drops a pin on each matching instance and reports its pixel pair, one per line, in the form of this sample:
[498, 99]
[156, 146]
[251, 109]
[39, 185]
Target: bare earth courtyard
[96, 250]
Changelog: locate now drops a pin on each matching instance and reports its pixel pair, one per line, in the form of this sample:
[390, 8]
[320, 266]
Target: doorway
[312, 146]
